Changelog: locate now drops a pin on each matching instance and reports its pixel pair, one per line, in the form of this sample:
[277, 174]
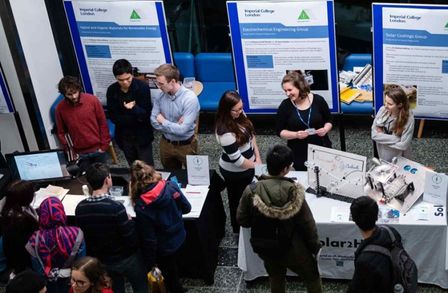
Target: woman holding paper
[236, 135]
[393, 126]
[303, 118]
[159, 206]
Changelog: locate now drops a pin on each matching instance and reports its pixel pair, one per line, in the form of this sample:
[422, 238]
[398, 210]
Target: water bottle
[398, 288]
[85, 190]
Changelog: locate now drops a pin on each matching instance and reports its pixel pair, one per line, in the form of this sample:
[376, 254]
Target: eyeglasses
[78, 283]
[237, 110]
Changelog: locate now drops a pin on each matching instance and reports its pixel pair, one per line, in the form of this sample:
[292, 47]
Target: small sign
[261, 169]
[198, 170]
[436, 187]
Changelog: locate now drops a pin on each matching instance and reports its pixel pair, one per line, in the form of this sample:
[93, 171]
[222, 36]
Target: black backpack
[404, 268]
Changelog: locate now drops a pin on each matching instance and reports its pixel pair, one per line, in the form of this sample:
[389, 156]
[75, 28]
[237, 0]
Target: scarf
[55, 239]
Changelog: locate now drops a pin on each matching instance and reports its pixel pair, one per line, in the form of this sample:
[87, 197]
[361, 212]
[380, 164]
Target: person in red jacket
[81, 123]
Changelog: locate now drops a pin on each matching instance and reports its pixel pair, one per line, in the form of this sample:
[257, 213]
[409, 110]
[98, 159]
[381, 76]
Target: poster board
[271, 38]
[6, 105]
[411, 49]
[104, 31]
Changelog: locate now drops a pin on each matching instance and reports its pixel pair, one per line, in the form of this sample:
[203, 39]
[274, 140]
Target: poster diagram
[411, 50]
[272, 39]
[104, 31]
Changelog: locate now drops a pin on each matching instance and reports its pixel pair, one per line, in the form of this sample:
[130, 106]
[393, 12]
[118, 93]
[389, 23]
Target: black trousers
[167, 264]
[133, 151]
[236, 182]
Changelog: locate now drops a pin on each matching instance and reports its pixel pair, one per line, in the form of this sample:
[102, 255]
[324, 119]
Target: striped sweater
[233, 155]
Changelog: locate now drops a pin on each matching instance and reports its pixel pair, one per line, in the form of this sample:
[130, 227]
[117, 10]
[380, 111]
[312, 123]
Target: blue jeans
[131, 268]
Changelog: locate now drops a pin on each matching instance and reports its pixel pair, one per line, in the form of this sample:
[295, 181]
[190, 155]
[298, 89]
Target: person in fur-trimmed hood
[275, 197]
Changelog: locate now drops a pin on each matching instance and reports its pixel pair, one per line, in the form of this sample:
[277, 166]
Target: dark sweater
[17, 228]
[133, 125]
[373, 271]
[110, 235]
[288, 119]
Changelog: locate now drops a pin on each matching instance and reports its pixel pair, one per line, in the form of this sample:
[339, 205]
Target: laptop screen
[41, 165]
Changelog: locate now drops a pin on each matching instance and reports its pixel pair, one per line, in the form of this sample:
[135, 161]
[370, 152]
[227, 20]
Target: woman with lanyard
[303, 118]
[393, 126]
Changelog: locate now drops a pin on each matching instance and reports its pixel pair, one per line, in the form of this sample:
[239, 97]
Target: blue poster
[5, 98]
[411, 50]
[105, 31]
[271, 39]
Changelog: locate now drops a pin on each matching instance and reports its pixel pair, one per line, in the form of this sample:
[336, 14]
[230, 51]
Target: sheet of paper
[70, 202]
[164, 175]
[340, 214]
[44, 193]
[198, 170]
[196, 196]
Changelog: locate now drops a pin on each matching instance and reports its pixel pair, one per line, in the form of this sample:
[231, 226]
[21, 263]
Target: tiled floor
[431, 150]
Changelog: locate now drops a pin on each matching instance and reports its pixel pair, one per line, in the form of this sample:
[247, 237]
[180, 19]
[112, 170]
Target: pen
[193, 192]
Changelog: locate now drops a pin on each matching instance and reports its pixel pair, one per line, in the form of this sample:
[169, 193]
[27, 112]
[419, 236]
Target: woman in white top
[393, 126]
[236, 135]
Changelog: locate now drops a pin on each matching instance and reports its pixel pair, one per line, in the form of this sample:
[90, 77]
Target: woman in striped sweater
[236, 135]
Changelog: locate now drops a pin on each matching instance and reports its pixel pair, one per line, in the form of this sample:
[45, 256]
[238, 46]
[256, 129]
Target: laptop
[39, 166]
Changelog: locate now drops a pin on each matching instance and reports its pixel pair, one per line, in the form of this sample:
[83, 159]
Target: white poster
[411, 49]
[271, 39]
[104, 31]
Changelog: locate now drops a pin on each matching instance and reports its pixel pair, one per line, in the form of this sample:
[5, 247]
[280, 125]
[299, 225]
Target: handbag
[156, 281]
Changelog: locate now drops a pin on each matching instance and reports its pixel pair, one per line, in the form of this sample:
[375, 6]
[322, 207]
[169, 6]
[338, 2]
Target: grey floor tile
[227, 257]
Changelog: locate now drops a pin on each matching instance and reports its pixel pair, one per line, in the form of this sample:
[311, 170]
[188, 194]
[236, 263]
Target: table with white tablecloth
[423, 230]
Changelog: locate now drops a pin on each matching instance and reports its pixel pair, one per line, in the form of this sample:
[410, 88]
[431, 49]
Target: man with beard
[81, 123]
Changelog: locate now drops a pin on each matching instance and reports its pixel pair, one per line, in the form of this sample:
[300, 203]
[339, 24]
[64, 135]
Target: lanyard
[307, 124]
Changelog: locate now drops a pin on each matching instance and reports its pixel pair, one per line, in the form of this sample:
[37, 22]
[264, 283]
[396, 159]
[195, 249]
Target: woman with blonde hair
[393, 126]
[89, 276]
[159, 206]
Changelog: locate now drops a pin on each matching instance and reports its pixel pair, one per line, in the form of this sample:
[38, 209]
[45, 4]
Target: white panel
[41, 56]
[7, 125]
[9, 134]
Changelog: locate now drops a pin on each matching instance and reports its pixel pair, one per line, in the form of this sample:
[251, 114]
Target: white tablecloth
[424, 237]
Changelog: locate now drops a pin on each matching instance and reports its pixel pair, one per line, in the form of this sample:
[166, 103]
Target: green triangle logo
[303, 15]
[134, 15]
[446, 25]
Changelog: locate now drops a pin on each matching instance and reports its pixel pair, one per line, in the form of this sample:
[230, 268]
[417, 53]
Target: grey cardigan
[391, 145]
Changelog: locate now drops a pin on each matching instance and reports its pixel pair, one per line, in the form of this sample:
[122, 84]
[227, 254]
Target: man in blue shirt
[174, 113]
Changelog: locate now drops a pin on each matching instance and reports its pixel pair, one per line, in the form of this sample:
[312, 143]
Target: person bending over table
[393, 126]
[303, 118]
[236, 135]
[159, 206]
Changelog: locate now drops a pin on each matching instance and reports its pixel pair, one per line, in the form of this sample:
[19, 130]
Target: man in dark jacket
[278, 197]
[110, 233]
[129, 107]
[373, 271]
